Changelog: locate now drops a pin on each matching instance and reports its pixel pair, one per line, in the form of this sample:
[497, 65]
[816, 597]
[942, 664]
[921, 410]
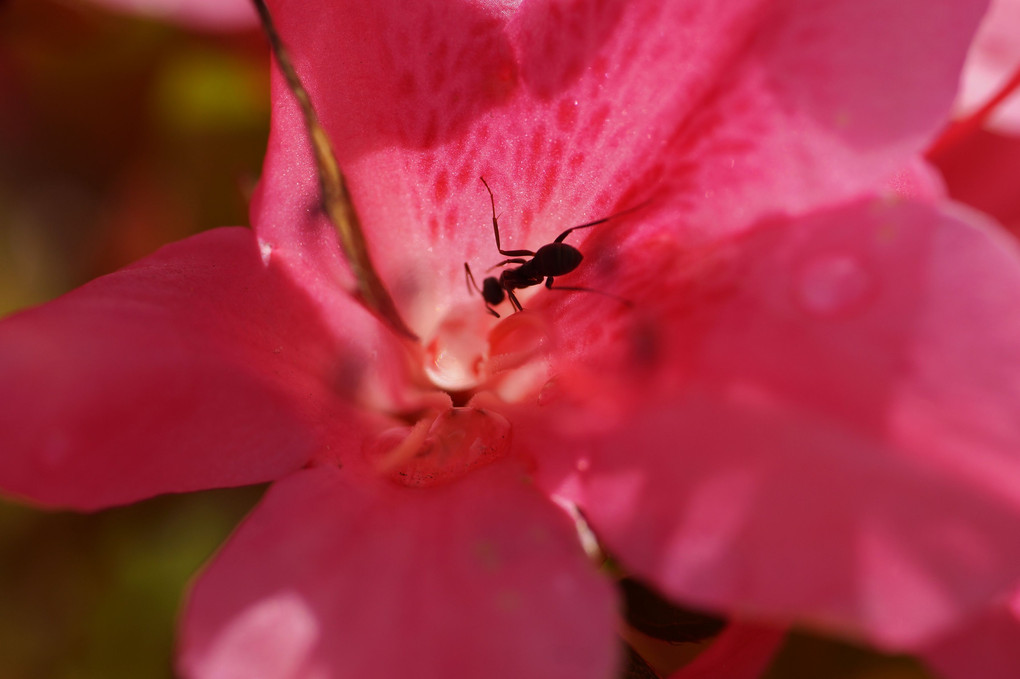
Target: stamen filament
[404, 451]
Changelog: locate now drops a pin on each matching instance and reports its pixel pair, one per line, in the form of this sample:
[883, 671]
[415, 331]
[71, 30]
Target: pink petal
[742, 651]
[818, 421]
[981, 171]
[337, 577]
[918, 180]
[222, 15]
[574, 109]
[200, 366]
[986, 648]
[993, 58]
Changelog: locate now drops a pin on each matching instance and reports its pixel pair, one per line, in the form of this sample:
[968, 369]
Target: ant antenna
[633, 208]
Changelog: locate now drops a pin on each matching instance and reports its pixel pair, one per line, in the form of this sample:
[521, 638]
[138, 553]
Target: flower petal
[742, 651]
[917, 180]
[986, 648]
[200, 366]
[981, 170]
[336, 577]
[818, 421]
[575, 109]
[994, 56]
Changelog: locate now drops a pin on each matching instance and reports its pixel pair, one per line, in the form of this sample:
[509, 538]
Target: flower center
[469, 354]
[441, 448]
[479, 363]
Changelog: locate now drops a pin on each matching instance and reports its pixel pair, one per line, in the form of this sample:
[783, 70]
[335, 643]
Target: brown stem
[336, 200]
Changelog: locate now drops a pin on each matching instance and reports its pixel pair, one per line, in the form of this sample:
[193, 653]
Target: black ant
[551, 260]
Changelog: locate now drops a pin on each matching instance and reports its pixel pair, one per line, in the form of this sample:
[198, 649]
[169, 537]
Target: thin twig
[336, 200]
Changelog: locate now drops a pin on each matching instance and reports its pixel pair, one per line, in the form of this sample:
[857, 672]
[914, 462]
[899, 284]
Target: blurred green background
[119, 134]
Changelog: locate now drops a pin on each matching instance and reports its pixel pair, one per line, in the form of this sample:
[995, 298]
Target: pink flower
[979, 159]
[806, 412]
[982, 648]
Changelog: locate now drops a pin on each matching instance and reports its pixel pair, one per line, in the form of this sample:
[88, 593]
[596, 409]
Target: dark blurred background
[118, 134]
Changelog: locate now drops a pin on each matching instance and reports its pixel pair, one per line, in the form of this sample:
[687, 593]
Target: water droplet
[834, 284]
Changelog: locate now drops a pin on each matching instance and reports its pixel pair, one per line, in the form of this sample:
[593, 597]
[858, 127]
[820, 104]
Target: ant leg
[514, 260]
[469, 280]
[573, 288]
[495, 228]
[495, 222]
[514, 302]
[559, 239]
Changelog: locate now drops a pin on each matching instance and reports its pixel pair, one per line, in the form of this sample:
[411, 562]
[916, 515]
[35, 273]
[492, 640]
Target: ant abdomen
[556, 259]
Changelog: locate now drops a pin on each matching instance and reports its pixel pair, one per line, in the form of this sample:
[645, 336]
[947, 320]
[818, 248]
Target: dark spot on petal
[566, 114]
[645, 344]
[441, 187]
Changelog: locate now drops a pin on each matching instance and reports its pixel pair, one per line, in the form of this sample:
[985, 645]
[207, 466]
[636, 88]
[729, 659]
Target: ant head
[492, 291]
